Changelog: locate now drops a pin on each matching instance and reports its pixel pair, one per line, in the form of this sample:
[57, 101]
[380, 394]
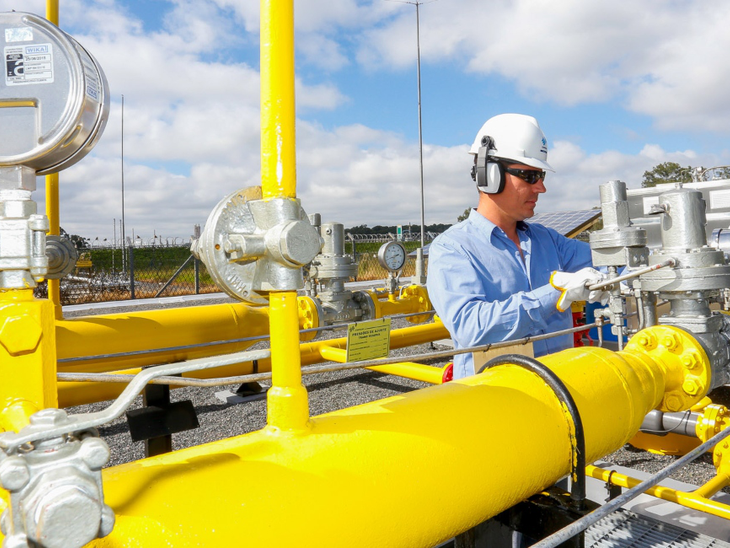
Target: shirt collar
[482, 223]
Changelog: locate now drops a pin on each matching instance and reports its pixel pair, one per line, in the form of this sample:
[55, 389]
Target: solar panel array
[565, 222]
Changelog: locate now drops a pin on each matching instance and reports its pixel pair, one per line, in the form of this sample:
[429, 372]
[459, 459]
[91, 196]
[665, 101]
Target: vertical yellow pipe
[278, 146]
[54, 287]
[288, 407]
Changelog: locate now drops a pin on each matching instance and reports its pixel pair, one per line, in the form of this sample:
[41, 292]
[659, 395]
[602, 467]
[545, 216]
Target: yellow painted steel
[147, 330]
[415, 371]
[27, 357]
[288, 405]
[287, 401]
[369, 468]
[695, 500]
[409, 370]
[77, 393]
[278, 145]
[52, 192]
[412, 298]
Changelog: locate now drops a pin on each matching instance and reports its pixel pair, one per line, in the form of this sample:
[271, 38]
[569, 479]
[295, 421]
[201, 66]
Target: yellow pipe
[369, 468]
[415, 371]
[409, 370]
[52, 192]
[688, 500]
[278, 145]
[288, 405]
[27, 357]
[148, 330]
[720, 481]
[77, 393]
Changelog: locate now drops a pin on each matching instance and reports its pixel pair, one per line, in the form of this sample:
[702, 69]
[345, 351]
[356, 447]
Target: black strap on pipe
[577, 442]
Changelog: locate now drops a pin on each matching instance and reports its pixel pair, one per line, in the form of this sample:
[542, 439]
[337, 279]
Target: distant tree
[79, 241]
[464, 215]
[667, 172]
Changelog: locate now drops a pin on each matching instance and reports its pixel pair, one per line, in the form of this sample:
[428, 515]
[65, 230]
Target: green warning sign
[368, 340]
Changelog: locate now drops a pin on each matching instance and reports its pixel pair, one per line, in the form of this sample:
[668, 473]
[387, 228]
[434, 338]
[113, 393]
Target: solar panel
[567, 223]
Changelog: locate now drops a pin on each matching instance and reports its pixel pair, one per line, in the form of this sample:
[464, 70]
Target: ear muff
[488, 172]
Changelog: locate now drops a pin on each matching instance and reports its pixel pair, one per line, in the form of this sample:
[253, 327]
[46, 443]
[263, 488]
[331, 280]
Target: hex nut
[672, 403]
[20, 334]
[14, 473]
[65, 517]
[49, 417]
[94, 452]
[669, 341]
[691, 387]
[299, 242]
[689, 359]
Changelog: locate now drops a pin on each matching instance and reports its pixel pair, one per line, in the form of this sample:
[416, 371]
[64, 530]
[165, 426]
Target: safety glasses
[528, 175]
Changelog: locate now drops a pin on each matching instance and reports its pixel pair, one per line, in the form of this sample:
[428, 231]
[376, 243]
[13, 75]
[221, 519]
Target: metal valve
[56, 494]
[251, 246]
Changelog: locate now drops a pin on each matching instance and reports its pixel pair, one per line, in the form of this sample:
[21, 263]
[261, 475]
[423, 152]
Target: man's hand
[573, 286]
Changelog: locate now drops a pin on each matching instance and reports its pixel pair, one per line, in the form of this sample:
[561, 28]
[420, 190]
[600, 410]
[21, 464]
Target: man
[489, 277]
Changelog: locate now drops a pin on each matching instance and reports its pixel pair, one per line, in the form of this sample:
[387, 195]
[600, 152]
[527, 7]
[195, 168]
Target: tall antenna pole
[420, 122]
[124, 233]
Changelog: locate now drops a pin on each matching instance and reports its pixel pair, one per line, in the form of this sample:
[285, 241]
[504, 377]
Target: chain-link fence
[112, 274]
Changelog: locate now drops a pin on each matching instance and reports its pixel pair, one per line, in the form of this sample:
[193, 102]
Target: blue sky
[617, 87]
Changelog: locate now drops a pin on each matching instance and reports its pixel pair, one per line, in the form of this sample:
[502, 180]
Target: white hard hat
[515, 137]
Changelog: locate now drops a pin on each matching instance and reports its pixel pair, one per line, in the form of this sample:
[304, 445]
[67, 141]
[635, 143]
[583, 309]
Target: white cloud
[192, 106]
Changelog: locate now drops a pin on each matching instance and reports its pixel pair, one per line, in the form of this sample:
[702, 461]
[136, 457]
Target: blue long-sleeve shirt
[484, 292]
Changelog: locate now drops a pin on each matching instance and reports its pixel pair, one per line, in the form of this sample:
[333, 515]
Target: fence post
[197, 276]
[130, 248]
[196, 264]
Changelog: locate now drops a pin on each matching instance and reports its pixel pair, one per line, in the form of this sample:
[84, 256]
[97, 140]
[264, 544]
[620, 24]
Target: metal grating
[624, 529]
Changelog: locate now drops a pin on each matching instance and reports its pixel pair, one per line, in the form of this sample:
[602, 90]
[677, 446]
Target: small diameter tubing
[577, 441]
[630, 275]
[217, 343]
[84, 421]
[308, 370]
[586, 521]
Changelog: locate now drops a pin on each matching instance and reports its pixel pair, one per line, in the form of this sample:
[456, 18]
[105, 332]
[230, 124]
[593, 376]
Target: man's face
[519, 198]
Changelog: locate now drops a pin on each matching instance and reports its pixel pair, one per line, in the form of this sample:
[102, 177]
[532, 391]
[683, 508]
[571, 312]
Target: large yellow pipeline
[498, 437]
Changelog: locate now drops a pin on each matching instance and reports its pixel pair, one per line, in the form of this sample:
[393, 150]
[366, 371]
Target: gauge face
[392, 256]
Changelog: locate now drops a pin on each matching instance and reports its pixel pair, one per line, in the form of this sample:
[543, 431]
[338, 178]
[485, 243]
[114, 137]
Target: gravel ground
[328, 392]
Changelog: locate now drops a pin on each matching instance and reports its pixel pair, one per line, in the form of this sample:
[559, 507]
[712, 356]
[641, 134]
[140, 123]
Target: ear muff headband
[488, 172]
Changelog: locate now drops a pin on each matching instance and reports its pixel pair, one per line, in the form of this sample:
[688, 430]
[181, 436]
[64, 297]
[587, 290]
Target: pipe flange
[311, 311]
[62, 256]
[419, 294]
[666, 344]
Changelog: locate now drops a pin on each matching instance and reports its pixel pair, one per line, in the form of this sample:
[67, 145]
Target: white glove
[573, 286]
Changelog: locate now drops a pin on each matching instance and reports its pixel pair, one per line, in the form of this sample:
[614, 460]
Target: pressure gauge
[392, 256]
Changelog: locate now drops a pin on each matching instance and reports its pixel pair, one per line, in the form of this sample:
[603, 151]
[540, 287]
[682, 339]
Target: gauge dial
[392, 256]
